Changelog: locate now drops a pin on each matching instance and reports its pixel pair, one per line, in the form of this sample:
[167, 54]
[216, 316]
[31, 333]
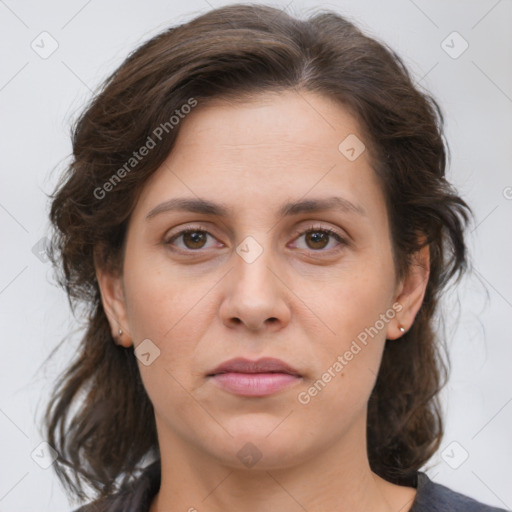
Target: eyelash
[312, 229]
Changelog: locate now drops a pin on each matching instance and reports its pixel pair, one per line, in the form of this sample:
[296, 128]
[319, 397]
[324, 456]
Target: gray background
[39, 97]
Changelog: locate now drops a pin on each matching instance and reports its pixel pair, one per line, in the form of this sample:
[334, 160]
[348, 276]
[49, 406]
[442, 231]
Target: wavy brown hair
[100, 418]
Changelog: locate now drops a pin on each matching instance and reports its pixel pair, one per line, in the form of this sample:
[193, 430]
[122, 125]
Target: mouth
[263, 377]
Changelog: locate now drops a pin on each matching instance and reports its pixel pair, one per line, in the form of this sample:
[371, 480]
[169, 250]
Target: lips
[264, 365]
[261, 378]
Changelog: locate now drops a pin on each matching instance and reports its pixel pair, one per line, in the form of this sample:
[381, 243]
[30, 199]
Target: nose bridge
[254, 294]
[252, 262]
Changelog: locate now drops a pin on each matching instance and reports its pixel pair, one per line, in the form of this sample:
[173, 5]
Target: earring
[118, 337]
[402, 329]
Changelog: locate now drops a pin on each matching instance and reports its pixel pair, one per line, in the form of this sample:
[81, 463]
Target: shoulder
[125, 501]
[121, 501]
[136, 497]
[434, 497]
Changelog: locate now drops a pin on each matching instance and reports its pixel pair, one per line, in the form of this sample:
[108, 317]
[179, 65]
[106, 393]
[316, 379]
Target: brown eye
[318, 239]
[191, 239]
[194, 239]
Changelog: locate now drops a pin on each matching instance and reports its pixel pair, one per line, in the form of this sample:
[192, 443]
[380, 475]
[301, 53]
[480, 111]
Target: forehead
[278, 120]
[273, 146]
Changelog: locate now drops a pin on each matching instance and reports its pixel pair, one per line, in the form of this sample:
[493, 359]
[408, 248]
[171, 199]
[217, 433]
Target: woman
[258, 221]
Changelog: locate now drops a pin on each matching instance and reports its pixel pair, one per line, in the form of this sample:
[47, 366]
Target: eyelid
[342, 239]
[331, 232]
[302, 230]
[191, 228]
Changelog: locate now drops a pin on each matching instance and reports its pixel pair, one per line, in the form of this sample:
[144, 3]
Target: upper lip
[263, 365]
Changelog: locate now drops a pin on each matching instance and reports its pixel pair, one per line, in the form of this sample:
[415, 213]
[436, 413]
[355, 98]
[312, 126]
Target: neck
[337, 478]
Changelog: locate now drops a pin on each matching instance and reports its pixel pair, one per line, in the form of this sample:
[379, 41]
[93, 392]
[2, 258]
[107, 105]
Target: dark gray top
[430, 496]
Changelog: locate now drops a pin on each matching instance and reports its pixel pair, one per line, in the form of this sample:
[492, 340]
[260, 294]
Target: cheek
[167, 312]
[159, 299]
[356, 309]
[169, 308]
[356, 298]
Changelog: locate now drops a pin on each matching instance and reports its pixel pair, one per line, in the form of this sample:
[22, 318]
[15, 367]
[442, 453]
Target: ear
[114, 304]
[410, 293]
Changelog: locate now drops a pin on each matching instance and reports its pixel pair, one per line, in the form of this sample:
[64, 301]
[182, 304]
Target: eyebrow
[291, 208]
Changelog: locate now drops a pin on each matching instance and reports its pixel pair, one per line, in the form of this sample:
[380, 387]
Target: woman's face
[257, 276]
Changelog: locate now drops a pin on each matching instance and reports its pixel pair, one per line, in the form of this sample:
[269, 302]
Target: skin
[302, 300]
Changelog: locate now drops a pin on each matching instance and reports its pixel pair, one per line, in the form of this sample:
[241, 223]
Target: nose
[255, 295]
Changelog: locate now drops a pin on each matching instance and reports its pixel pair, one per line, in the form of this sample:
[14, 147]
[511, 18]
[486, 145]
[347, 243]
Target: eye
[316, 238]
[191, 239]
[319, 238]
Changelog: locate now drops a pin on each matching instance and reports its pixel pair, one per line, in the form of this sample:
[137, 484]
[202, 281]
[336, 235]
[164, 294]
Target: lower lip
[254, 384]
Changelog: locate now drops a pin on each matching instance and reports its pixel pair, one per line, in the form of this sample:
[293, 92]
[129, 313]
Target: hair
[235, 53]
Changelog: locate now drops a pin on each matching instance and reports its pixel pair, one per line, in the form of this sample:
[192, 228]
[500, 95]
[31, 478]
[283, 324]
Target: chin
[259, 447]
